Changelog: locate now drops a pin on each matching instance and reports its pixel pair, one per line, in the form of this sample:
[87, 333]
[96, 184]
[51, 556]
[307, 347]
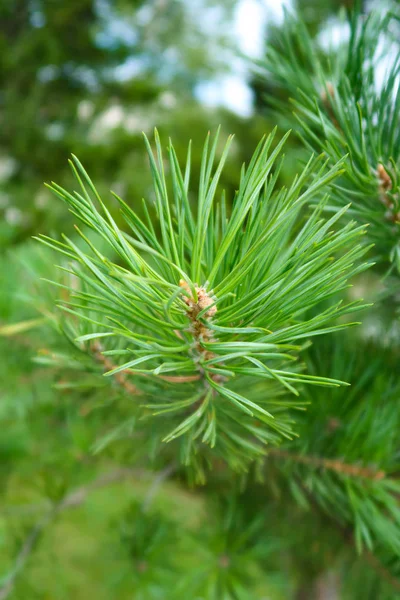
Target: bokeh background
[87, 77]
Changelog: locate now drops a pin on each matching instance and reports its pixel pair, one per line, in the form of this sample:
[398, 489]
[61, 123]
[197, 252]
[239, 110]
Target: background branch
[336, 464]
[71, 500]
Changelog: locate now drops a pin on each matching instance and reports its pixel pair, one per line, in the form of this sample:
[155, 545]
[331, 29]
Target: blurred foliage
[92, 75]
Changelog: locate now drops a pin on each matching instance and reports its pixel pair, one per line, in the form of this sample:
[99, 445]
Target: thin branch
[156, 483]
[23, 555]
[336, 465]
[79, 495]
[108, 365]
[169, 378]
[71, 500]
[124, 382]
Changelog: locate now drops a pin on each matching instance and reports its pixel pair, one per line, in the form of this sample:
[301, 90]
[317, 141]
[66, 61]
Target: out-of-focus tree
[91, 75]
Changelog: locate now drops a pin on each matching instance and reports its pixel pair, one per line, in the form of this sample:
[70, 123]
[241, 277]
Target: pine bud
[384, 178]
[203, 300]
[330, 91]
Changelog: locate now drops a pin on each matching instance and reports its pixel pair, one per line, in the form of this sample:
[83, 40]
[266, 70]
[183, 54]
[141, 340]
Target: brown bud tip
[333, 424]
[184, 285]
[142, 566]
[204, 300]
[384, 178]
[329, 91]
[224, 561]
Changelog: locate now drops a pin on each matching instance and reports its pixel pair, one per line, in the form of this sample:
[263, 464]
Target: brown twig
[108, 365]
[124, 382]
[169, 378]
[336, 465]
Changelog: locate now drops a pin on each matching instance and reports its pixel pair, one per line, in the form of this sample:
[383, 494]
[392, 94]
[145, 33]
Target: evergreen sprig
[199, 314]
[341, 107]
[345, 461]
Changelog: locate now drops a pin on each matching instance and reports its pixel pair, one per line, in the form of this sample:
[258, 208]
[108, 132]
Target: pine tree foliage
[355, 431]
[222, 552]
[342, 107]
[202, 335]
[201, 316]
[344, 463]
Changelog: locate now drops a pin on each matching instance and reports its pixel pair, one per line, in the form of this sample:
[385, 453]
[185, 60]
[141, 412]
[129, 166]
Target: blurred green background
[87, 77]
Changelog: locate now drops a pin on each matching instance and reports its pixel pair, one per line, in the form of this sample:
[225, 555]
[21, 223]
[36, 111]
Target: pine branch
[214, 303]
[336, 465]
[348, 537]
[341, 108]
[72, 500]
[361, 424]
[23, 555]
